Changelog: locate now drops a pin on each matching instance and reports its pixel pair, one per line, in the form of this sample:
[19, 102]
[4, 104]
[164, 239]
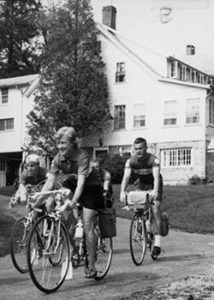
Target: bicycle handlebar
[62, 191]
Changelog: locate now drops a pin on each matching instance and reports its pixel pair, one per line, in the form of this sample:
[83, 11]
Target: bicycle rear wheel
[48, 254]
[104, 253]
[18, 244]
[137, 239]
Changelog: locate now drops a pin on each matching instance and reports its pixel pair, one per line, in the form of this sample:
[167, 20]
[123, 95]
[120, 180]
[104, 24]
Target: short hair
[32, 158]
[140, 140]
[68, 132]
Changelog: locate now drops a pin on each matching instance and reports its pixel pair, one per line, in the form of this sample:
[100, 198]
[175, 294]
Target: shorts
[92, 197]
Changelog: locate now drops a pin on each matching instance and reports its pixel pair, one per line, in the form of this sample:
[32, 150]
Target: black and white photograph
[107, 149]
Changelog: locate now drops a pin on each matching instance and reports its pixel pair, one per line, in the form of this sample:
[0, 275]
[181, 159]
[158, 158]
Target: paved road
[183, 255]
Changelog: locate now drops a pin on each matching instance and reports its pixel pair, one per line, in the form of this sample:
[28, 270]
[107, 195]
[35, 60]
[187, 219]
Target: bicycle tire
[137, 239]
[104, 253]
[18, 244]
[48, 263]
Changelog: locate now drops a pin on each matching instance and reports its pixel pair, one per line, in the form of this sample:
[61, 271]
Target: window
[120, 72]
[190, 50]
[139, 115]
[170, 112]
[211, 111]
[2, 164]
[192, 111]
[119, 117]
[176, 157]
[4, 95]
[173, 69]
[6, 124]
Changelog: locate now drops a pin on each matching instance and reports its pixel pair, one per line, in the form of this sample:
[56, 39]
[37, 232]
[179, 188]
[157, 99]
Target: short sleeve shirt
[142, 167]
[77, 163]
[26, 178]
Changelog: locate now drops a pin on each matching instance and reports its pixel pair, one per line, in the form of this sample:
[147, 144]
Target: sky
[188, 22]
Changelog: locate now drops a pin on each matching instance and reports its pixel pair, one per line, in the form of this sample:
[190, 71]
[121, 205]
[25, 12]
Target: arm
[78, 192]
[107, 180]
[125, 180]
[48, 186]
[156, 175]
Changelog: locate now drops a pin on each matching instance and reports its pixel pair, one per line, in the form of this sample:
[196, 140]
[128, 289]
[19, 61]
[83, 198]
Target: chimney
[109, 16]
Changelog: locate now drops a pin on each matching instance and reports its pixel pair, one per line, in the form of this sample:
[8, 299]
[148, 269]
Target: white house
[160, 98]
[163, 98]
[16, 100]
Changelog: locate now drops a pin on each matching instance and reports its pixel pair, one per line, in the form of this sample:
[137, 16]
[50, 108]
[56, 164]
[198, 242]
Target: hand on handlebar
[67, 204]
[153, 195]
[123, 196]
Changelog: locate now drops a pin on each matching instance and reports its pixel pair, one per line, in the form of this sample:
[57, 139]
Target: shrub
[115, 165]
[196, 180]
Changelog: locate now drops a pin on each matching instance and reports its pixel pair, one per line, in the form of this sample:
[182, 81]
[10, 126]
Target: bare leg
[88, 221]
[157, 215]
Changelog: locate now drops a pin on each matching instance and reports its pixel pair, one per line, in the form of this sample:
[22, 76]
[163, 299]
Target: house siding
[142, 86]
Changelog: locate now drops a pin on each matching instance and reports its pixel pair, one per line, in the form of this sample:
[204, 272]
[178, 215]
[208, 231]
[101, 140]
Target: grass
[190, 208]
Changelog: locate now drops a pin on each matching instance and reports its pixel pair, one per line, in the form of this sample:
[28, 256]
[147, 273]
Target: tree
[73, 89]
[19, 46]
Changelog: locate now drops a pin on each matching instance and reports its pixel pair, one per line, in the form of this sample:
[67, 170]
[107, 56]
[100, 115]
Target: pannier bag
[138, 198]
[107, 222]
[164, 224]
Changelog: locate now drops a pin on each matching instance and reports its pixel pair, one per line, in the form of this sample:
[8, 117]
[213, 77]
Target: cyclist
[146, 167]
[74, 162]
[32, 174]
[98, 184]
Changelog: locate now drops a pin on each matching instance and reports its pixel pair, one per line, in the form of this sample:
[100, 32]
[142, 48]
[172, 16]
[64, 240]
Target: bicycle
[49, 255]
[142, 227]
[22, 228]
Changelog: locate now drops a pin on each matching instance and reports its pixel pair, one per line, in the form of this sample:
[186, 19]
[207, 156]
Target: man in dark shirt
[146, 167]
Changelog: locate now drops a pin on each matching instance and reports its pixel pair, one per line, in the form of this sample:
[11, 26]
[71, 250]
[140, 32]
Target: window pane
[6, 124]
[119, 117]
[4, 95]
[1, 125]
[176, 157]
[211, 111]
[139, 115]
[2, 163]
[9, 124]
[170, 112]
[192, 111]
[120, 75]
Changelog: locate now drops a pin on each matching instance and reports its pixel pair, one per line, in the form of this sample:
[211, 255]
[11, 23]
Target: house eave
[184, 83]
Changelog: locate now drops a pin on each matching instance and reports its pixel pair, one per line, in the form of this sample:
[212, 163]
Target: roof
[151, 60]
[202, 62]
[21, 80]
[133, 50]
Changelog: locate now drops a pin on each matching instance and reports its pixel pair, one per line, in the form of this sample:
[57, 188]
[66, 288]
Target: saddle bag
[138, 198]
[107, 222]
[164, 224]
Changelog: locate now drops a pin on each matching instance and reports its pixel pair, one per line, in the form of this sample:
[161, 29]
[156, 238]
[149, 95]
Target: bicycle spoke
[49, 270]
[137, 240]
[18, 244]
[104, 252]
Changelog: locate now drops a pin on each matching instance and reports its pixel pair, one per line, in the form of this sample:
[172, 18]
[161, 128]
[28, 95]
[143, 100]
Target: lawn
[190, 208]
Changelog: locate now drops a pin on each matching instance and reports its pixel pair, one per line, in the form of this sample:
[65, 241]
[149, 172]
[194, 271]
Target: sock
[157, 241]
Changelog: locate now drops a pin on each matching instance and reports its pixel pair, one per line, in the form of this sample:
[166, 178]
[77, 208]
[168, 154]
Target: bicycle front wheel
[137, 239]
[48, 254]
[104, 253]
[18, 244]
